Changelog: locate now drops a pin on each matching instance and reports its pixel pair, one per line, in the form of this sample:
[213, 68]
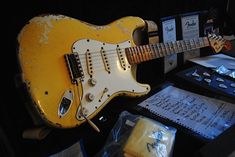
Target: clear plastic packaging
[225, 71]
[138, 136]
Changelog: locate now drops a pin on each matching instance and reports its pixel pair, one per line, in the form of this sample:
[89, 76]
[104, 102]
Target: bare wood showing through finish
[144, 53]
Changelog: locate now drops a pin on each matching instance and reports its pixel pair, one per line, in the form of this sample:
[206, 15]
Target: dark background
[13, 116]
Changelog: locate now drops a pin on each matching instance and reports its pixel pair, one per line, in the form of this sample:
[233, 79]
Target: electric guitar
[72, 69]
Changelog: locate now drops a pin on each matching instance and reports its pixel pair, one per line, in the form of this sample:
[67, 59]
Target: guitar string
[152, 54]
[161, 49]
[110, 56]
[165, 49]
[114, 52]
[165, 46]
[111, 61]
[99, 64]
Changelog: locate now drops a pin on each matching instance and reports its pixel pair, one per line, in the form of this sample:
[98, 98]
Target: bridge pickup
[74, 67]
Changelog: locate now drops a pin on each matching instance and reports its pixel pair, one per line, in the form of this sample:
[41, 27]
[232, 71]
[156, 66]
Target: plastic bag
[138, 136]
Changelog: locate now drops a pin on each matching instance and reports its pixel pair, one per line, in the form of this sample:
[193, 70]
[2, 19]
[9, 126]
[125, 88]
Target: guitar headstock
[217, 43]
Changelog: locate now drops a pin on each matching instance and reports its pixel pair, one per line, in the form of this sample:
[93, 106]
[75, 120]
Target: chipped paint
[51, 17]
[100, 27]
[124, 29]
[20, 34]
[95, 27]
[46, 21]
[20, 49]
[44, 67]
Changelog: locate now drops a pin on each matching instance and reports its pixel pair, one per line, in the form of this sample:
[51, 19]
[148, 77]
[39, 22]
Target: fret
[152, 50]
[188, 47]
[197, 42]
[156, 50]
[178, 43]
[136, 55]
[174, 47]
[130, 56]
[144, 53]
[206, 42]
[150, 53]
[167, 48]
[159, 50]
[147, 52]
[163, 49]
[183, 44]
[153, 47]
[138, 52]
[201, 42]
[172, 50]
[192, 44]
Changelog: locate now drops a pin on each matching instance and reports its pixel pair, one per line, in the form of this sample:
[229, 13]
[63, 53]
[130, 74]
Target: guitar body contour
[106, 73]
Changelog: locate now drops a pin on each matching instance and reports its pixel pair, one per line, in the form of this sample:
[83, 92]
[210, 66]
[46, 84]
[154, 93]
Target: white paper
[190, 29]
[206, 116]
[215, 61]
[169, 34]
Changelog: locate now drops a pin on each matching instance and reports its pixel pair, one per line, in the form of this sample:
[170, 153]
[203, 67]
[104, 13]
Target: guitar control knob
[92, 82]
[90, 97]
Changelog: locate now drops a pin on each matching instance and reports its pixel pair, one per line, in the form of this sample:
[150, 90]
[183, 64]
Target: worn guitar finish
[68, 64]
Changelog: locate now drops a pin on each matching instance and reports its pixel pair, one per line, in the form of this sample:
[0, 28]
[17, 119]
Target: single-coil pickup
[89, 63]
[105, 60]
[121, 58]
[74, 66]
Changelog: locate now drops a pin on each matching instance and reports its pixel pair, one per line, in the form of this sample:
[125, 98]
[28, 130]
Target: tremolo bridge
[74, 67]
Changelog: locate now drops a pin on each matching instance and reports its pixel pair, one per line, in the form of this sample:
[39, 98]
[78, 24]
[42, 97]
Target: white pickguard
[118, 81]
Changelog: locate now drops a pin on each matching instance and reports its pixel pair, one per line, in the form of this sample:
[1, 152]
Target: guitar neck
[144, 53]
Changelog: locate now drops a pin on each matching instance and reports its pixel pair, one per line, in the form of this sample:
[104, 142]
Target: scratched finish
[42, 45]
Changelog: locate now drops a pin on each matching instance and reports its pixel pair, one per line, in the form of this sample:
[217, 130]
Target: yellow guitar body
[43, 43]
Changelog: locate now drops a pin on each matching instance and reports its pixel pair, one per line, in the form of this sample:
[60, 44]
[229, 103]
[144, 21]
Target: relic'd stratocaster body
[73, 69]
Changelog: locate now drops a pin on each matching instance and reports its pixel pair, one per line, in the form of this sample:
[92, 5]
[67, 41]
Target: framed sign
[169, 34]
[190, 29]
